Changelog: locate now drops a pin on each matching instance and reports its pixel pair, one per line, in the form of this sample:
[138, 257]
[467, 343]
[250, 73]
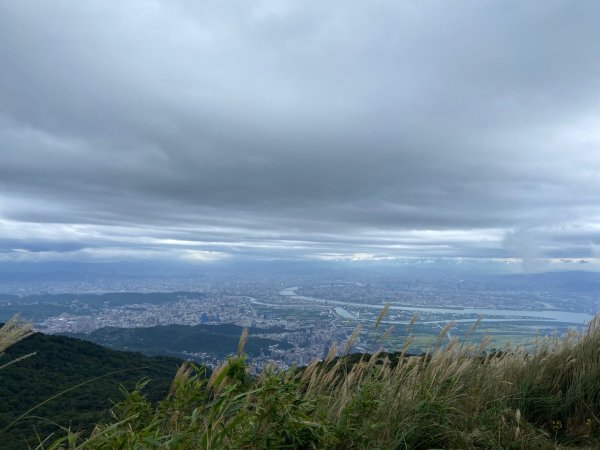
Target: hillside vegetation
[184, 340]
[60, 363]
[455, 396]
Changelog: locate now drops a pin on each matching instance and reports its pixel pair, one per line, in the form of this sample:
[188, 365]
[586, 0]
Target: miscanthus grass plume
[13, 331]
[453, 396]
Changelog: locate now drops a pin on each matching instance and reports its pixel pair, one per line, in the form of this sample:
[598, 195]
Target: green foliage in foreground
[60, 363]
[454, 397]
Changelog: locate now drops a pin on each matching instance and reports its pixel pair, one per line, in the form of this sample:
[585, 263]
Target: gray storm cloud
[299, 129]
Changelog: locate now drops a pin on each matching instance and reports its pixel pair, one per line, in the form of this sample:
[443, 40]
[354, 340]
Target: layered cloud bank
[293, 129]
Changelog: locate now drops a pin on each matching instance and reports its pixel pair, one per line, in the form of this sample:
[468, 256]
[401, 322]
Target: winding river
[496, 315]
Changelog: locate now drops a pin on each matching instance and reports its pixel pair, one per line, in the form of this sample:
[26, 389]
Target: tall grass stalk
[13, 331]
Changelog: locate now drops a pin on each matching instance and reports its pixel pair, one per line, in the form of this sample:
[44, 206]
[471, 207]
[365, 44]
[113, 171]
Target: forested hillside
[59, 364]
[184, 340]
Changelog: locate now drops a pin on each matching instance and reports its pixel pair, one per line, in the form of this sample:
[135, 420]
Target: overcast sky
[202, 131]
